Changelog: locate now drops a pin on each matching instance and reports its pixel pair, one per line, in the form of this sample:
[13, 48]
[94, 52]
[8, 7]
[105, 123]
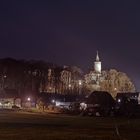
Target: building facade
[94, 77]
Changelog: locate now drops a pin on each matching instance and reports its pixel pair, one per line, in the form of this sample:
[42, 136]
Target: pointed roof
[97, 57]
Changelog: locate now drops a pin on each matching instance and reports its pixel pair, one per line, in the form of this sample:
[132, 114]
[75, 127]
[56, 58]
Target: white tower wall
[97, 64]
[97, 67]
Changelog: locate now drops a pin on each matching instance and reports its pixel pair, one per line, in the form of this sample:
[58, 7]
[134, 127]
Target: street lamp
[115, 89]
[69, 85]
[29, 99]
[80, 82]
[69, 88]
[80, 85]
[28, 102]
[53, 101]
[119, 100]
[3, 81]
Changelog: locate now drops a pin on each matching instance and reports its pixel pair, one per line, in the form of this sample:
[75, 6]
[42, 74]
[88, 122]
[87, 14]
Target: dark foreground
[35, 126]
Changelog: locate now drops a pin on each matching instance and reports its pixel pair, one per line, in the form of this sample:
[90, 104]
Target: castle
[94, 77]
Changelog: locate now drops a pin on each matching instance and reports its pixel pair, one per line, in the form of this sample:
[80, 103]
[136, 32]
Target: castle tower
[97, 64]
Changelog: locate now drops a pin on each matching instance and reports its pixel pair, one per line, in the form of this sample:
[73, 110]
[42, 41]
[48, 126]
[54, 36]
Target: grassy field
[35, 126]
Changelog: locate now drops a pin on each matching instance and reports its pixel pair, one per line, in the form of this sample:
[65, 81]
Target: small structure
[9, 98]
[100, 97]
[28, 101]
[128, 95]
[99, 103]
[127, 103]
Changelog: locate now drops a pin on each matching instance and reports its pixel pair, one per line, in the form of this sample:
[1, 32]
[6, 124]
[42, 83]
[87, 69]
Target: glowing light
[80, 82]
[53, 101]
[119, 100]
[58, 103]
[69, 85]
[28, 99]
[83, 106]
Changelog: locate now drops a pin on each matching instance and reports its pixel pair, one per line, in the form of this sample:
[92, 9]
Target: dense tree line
[23, 76]
[33, 76]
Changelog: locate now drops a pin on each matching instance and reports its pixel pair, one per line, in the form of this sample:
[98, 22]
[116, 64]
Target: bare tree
[115, 81]
[111, 80]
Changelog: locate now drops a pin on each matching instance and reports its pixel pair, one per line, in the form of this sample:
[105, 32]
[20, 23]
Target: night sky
[69, 32]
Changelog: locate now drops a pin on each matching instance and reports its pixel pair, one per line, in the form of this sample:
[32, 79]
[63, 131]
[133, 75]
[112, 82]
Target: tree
[111, 81]
[76, 76]
[115, 81]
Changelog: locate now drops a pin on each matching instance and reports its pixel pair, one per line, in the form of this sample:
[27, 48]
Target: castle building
[93, 78]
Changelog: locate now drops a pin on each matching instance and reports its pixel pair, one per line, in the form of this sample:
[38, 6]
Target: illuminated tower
[97, 64]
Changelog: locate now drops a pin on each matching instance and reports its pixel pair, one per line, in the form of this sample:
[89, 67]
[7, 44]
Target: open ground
[39, 126]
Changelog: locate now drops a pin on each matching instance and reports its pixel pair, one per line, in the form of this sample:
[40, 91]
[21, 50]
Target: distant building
[112, 81]
[129, 96]
[9, 98]
[93, 78]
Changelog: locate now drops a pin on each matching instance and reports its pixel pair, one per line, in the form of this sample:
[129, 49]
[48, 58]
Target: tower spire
[97, 64]
[97, 57]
